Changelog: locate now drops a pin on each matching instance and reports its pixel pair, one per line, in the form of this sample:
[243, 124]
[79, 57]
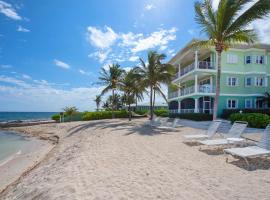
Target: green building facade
[245, 77]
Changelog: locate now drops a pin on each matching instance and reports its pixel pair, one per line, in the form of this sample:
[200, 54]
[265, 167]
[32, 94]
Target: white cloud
[127, 46]
[5, 66]
[40, 95]
[81, 71]
[8, 10]
[127, 69]
[100, 55]
[61, 64]
[262, 28]
[134, 58]
[149, 7]
[101, 39]
[25, 76]
[22, 29]
[156, 39]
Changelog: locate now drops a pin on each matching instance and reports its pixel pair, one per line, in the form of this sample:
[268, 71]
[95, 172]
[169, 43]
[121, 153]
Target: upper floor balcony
[201, 65]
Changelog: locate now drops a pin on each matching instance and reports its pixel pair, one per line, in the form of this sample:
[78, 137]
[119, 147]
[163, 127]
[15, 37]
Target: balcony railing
[191, 67]
[192, 110]
[206, 89]
[173, 95]
[186, 91]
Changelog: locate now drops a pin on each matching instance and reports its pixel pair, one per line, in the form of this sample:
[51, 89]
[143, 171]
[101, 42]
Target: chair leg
[246, 160]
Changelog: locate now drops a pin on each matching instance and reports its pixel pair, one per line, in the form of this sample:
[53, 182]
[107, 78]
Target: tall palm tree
[154, 74]
[98, 101]
[111, 78]
[129, 88]
[227, 26]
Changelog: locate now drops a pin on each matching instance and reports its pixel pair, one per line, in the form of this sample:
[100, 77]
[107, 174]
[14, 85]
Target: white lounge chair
[170, 125]
[155, 121]
[232, 137]
[262, 149]
[211, 131]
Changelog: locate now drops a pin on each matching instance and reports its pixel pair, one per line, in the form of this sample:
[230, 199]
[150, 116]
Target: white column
[179, 106]
[196, 84]
[196, 59]
[211, 84]
[196, 110]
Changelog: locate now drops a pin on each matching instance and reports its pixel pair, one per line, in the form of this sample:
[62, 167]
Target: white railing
[206, 65]
[187, 69]
[173, 94]
[206, 89]
[191, 67]
[173, 111]
[188, 90]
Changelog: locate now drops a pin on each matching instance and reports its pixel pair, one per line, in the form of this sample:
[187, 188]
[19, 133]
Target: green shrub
[193, 116]
[161, 112]
[141, 112]
[255, 120]
[103, 115]
[56, 117]
[226, 113]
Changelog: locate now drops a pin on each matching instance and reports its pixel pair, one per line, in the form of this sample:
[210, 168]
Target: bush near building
[255, 120]
[227, 112]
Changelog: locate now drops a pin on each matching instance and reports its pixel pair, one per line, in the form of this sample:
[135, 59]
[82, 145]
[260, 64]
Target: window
[232, 103]
[232, 81]
[260, 60]
[248, 81]
[248, 103]
[248, 60]
[261, 82]
[231, 58]
[259, 103]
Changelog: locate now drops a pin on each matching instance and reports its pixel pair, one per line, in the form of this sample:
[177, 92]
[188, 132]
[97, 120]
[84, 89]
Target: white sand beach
[117, 159]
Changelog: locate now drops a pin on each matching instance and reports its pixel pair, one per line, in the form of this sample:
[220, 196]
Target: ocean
[10, 116]
[10, 144]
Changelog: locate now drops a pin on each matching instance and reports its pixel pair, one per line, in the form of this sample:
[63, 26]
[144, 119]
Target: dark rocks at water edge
[17, 123]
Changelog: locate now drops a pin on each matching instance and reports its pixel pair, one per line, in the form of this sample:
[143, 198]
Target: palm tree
[98, 101]
[129, 87]
[70, 111]
[111, 79]
[154, 74]
[227, 26]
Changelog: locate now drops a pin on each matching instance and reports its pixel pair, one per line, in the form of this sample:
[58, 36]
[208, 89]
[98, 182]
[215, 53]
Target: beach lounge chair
[155, 121]
[170, 125]
[262, 149]
[211, 131]
[232, 137]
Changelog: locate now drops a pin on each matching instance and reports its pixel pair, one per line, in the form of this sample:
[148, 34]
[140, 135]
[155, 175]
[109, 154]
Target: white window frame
[260, 58]
[264, 83]
[229, 81]
[232, 59]
[236, 103]
[251, 103]
[250, 59]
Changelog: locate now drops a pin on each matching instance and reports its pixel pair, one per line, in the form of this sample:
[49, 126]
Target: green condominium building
[245, 73]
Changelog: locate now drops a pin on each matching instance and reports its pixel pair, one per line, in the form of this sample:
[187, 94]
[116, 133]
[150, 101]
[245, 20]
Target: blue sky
[51, 52]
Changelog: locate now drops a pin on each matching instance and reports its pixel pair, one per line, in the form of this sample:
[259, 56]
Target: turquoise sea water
[9, 116]
[10, 144]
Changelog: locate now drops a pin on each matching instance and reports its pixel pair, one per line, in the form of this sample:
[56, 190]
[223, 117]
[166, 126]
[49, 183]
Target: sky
[51, 51]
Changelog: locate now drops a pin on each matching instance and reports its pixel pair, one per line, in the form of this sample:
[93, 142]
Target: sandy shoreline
[115, 159]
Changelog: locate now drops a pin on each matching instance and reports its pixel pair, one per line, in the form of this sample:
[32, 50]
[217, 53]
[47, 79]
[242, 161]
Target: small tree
[98, 101]
[70, 111]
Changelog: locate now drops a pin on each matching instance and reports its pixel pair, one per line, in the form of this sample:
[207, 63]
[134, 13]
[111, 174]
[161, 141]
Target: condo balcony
[201, 66]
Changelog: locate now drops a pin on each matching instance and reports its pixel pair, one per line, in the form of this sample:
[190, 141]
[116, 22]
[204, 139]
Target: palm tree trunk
[151, 105]
[129, 112]
[113, 114]
[217, 85]
[136, 103]
[154, 99]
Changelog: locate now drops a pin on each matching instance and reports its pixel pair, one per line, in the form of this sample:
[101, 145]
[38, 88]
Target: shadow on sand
[130, 127]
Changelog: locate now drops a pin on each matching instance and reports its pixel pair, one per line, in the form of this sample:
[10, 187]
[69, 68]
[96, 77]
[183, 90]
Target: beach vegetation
[104, 115]
[70, 111]
[255, 120]
[162, 112]
[98, 101]
[225, 26]
[111, 79]
[154, 73]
